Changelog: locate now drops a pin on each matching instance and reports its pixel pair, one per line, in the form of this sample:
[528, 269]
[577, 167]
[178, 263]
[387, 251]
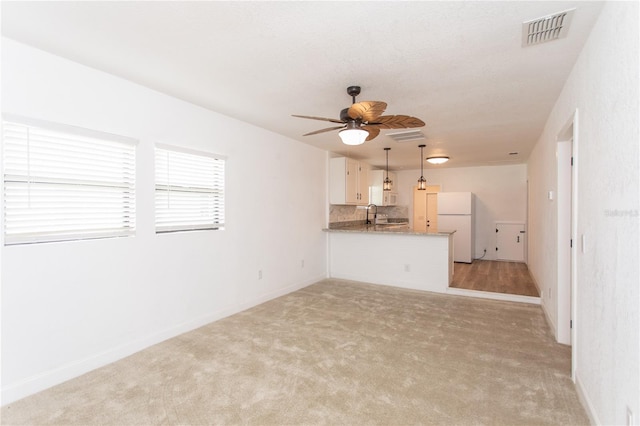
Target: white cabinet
[376, 195]
[510, 241]
[348, 181]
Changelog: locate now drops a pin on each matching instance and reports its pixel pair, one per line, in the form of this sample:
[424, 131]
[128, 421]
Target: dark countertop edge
[390, 230]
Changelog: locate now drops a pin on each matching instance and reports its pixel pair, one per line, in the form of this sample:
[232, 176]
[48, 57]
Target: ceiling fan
[362, 121]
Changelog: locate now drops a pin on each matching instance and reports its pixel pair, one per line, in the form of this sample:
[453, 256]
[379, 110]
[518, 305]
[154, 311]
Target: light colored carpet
[339, 353]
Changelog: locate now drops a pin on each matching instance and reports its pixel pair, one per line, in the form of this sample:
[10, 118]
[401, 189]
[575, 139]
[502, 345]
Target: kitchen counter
[395, 228]
[391, 254]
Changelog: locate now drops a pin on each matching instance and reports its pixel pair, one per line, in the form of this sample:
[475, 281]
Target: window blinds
[189, 191]
[63, 183]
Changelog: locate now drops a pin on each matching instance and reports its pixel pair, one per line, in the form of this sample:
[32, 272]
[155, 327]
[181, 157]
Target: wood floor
[494, 276]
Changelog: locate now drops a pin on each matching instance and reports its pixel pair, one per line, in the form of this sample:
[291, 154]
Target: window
[65, 183]
[189, 190]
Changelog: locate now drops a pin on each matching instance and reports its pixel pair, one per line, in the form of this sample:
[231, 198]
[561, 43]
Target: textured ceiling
[458, 66]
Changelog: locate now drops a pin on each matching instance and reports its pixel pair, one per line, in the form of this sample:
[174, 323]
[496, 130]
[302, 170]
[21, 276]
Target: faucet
[374, 215]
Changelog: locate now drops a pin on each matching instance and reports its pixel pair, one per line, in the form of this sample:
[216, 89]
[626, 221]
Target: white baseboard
[40, 382]
[586, 402]
[272, 295]
[494, 296]
[550, 322]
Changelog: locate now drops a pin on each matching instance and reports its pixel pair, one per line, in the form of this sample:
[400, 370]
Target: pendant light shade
[422, 182]
[387, 184]
[353, 135]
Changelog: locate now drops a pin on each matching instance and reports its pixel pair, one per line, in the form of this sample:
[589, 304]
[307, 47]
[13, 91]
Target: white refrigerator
[456, 212]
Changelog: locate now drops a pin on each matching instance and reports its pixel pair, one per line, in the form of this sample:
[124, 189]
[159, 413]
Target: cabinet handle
[518, 239]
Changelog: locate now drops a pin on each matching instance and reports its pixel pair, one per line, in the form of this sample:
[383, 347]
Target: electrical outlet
[259, 274]
[407, 267]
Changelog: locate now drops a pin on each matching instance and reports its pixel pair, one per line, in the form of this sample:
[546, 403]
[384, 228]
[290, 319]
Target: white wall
[603, 87]
[73, 306]
[501, 195]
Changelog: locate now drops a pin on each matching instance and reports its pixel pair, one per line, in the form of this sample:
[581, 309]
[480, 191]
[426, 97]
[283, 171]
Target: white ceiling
[458, 66]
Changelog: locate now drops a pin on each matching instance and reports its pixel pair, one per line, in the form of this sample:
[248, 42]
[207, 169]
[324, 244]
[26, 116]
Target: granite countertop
[392, 228]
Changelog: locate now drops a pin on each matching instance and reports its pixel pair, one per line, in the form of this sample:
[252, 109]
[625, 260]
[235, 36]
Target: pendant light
[386, 185]
[422, 182]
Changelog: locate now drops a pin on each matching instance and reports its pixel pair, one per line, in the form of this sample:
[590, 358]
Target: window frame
[217, 191]
[67, 190]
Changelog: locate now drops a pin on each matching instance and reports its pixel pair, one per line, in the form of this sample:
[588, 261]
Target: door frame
[567, 219]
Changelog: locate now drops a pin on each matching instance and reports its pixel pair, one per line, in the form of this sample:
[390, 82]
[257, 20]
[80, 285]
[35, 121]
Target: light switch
[550, 195]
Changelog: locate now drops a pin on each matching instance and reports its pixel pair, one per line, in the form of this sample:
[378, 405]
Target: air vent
[411, 135]
[547, 28]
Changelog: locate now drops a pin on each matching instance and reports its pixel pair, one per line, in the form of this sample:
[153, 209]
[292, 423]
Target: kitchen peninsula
[392, 254]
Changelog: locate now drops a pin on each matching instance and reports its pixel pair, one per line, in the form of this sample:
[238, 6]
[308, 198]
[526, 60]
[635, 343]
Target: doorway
[425, 208]
[566, 195]
[565, 241]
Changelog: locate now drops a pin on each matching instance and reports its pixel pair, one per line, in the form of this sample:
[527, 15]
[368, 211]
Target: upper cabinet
[348, 181]
[377, 195]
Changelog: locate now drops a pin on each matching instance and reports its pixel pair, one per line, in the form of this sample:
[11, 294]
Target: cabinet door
[510, 241]
[352, 188]
[363, 184]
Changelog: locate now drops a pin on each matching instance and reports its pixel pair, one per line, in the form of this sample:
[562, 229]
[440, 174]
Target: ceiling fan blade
[328, 129]
[373, 132]
[333, 120]
[397, 122]
[367, 110]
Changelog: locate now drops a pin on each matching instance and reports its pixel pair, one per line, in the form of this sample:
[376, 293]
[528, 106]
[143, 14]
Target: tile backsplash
[340, 213]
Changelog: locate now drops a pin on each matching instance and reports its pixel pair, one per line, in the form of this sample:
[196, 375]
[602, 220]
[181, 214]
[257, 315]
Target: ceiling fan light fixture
[365, 113]
[353, 134]
[438, 160]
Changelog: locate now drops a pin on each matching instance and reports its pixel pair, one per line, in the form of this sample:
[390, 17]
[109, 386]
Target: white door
[432, 211]
[419, 210]
[510, 241]
[425, 208]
